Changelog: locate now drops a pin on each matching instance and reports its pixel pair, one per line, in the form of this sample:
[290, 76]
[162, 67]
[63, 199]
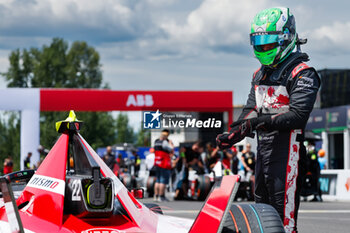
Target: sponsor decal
[102, 230]
[139, 100]
[332, 117]
[157, 120]
[47, 183]
[305, 82]
[260, 32]
[299, 68]
[266, 138]
[318, 118]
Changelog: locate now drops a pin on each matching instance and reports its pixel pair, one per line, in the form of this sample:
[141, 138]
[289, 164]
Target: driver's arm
[302, 97]
[250, 109]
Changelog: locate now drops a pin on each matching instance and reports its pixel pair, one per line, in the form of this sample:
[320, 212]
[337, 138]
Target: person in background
[109, 157]
[189, 159]
[194, 159]
[234, 160]
[163, 149]
[8, 165]
[120, 161]
[248, 159]
[228, 158]
[42, 151]
[137, 162]
[322, 159]
[213, 156]
[150, 159]
[26, 161]
[313, 167]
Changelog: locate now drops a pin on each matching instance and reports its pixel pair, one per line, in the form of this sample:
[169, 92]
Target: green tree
[125, 132]
[9, 137]
[50, 65]
[98, 134]
[59, 65]
[143, 138]
[19, 73]
[83, 68]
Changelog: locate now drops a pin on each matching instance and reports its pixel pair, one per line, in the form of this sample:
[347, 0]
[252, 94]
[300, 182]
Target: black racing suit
[288, 93]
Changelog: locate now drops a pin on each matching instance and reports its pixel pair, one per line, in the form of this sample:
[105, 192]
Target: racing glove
[241, 129]
[261, 123]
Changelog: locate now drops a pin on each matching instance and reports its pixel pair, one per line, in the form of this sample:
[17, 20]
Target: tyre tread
[270, 221]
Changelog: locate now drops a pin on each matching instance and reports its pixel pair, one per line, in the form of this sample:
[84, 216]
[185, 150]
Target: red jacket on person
[162, 151]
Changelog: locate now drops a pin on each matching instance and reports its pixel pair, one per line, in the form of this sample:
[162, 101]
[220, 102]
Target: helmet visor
[262, 39]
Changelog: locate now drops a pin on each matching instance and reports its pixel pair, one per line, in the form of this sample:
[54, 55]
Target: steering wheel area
[89, 196]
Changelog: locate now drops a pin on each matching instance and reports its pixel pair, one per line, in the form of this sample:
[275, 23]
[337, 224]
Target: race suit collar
[284, 68]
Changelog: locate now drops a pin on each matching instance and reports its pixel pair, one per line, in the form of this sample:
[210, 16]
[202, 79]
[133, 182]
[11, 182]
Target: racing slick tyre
[204, 187]
[154, 207]
[150, 185]
[254, 218]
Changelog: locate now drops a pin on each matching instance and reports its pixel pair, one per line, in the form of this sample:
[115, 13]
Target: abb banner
[108, 100]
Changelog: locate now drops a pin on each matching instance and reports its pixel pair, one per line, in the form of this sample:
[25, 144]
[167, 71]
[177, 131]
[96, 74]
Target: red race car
[74, 191]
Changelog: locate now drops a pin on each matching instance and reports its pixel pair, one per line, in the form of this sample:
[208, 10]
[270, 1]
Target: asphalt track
[318, 217]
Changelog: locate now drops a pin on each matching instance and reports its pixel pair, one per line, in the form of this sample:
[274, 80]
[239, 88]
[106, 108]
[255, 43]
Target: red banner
[109, 100]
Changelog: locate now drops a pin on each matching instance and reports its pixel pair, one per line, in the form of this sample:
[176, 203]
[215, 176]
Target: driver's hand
[240, 129]
[223, 141]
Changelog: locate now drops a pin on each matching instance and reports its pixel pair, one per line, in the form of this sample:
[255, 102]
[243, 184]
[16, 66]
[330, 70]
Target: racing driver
[282, 95]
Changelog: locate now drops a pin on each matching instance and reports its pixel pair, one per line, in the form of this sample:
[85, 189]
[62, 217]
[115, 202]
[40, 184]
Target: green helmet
[273, 35]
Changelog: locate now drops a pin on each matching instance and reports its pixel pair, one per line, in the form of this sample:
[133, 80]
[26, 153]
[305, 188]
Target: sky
[172, 44]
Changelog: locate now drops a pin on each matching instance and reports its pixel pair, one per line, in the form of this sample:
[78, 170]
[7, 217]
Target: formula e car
[85, 196]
